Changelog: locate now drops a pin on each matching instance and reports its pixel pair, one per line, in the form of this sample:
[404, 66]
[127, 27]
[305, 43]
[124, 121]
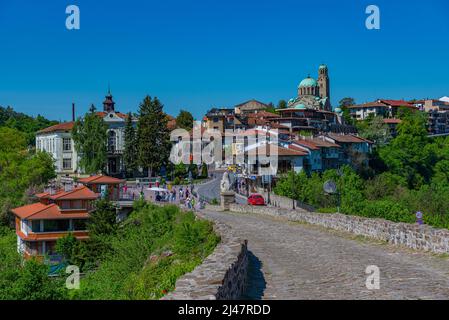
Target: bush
[127, 272]
[387, 209]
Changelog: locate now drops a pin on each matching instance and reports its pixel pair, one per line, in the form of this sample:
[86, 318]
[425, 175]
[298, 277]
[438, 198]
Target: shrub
[127, 272]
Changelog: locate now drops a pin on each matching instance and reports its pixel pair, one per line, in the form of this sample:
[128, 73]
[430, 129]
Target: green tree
[20, 169]
[24, 123]
[103, 219]
[271, 108]
[34, 283]
[346, 102]
[184, 120]
[374, 129]
[153, 137]
[282, 104]
[71, 249]
[90, 137]
[130, 150]
[410, 154]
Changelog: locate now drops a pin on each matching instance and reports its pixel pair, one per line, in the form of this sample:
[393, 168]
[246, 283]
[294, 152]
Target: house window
[79, 224]
[35, 225]
[64, 205]
[67, 164]
[66, 144]
[56, 225]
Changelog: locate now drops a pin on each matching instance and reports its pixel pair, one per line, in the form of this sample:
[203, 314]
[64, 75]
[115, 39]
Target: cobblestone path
[299, 261]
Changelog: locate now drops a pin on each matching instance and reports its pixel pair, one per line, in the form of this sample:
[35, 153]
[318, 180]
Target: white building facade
[57, 140]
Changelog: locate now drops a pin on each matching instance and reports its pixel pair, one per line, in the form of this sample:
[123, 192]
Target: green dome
[322, 66]
[300, 106]
[308, 82]
[337, 110]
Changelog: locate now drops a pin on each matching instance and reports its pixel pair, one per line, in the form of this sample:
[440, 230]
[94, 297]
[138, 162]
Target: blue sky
[198, 54]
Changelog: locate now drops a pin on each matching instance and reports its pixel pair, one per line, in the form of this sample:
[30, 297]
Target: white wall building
[57, 140]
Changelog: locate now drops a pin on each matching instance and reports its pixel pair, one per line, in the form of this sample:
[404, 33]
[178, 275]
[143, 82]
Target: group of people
[174, 194]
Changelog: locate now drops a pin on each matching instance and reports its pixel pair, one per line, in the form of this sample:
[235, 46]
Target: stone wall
[221, 276]
[421, 237]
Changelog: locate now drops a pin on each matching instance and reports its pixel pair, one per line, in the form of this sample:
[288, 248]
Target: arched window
[112, 141]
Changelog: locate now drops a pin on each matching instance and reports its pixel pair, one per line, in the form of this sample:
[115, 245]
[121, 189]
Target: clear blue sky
[199, 54]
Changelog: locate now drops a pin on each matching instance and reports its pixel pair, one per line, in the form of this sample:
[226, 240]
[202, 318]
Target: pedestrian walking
[193, 203]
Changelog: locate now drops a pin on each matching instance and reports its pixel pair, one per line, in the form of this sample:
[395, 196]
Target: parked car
[256, 200]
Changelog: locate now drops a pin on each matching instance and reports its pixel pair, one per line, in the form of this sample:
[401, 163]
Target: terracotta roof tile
[347, 138]
[77, 193]
[65, 126]
[281, 151]
[41, 211]
[100, 179]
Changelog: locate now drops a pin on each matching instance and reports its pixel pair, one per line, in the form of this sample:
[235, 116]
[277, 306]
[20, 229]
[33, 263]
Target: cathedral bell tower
[323, 82]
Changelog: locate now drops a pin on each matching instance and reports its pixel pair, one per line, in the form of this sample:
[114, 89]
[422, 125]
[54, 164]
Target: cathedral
[313, 94]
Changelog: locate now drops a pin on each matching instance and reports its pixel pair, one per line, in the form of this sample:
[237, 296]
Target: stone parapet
[420, 237]
[221, 276]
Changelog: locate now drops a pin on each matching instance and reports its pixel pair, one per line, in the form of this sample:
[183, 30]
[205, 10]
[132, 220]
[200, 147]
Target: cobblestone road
[299, 261]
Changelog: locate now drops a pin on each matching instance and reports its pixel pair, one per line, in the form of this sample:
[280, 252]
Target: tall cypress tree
[90, 137]
[153, 137]
[130, 150]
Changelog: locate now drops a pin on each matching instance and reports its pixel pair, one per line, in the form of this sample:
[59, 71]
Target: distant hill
[27, 124]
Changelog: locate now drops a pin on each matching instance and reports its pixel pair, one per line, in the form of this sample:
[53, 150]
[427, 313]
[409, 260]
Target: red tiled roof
[398, 103]
[347, 138]
[103, 114]
[281, 151]
[297, 148]
[308, 144]
[51, 211]
[65, 126]
[42, 195]
[367, 105]
[78, 193]
[315, 143]
[100, 179]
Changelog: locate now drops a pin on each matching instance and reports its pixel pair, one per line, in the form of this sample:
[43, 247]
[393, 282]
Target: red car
[256, 200]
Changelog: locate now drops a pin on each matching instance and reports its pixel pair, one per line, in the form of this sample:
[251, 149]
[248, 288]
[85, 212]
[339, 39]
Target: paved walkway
[299, 261]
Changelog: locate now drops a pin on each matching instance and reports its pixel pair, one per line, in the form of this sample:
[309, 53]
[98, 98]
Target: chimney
[73, 112]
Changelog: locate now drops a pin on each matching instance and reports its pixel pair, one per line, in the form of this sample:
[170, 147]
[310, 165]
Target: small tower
[323, 82]
[108, 103]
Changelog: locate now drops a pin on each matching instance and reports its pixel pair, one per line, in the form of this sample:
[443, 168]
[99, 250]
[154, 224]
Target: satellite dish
[330, 187]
